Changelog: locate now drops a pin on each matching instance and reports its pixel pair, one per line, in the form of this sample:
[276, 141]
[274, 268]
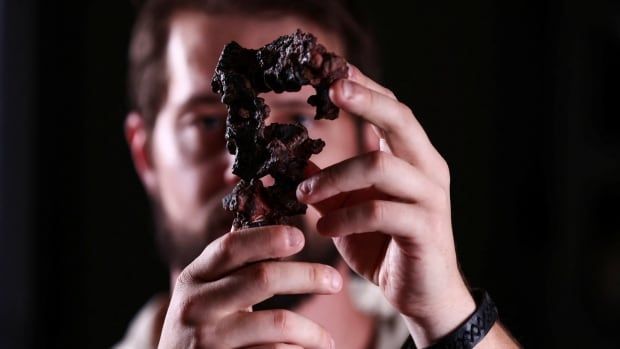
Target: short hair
[148, 78]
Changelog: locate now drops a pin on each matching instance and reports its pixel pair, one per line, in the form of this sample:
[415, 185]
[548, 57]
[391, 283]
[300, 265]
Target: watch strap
[472, 330]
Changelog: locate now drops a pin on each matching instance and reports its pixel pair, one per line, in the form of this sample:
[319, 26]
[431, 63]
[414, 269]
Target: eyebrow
[213, 99]
[200, 99]
[290, 104]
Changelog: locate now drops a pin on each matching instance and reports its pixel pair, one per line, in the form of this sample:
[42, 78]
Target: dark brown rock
[281, 151]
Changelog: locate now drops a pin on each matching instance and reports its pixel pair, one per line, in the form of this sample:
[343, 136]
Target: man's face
[191, 166]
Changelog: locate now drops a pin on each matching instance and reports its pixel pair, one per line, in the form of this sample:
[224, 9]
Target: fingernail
[305, 187]
[336, 281]
[294, 238]
[347, 89]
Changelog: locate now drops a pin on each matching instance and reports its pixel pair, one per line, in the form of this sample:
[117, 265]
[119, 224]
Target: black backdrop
[518, 96]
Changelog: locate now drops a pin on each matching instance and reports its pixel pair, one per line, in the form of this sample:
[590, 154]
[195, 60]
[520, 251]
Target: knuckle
[281, 320]
[262, 276]
[403, 120]
[375, 211]
[227, 246]
[314, 274]
[186, 277]
[330, 179]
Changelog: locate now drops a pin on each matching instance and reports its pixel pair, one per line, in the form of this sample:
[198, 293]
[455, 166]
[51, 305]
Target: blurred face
[192, 169]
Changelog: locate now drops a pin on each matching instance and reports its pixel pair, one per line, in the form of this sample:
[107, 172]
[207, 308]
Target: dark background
[520, 97]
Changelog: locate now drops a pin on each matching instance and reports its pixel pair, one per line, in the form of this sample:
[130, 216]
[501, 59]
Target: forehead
[196, 40]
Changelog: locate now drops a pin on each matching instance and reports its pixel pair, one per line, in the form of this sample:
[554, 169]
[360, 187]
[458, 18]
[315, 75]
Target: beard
[178, 246]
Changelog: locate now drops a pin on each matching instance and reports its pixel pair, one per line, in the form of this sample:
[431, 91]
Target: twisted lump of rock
[279, 150]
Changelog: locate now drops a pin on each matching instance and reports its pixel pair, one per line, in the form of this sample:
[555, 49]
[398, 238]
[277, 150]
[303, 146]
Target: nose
[229, 177]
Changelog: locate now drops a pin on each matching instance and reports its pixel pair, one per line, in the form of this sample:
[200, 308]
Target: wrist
[472, 331]
[441, 319]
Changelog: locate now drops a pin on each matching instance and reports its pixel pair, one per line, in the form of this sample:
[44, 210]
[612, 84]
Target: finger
[241, 247]
[272, 326]
[384, 172]
[330, 203]
[261, 281]
[356, 75]
[391, 218]
[256, 283]
[402, 132]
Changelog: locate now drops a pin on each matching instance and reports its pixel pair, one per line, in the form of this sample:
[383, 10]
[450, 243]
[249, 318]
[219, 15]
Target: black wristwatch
[470, 332]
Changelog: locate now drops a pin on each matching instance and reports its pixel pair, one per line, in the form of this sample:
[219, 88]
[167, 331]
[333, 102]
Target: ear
[137, 137]
[369, 137]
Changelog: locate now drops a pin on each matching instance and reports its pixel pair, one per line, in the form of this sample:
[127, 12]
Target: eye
[303, 119]
[211, 122]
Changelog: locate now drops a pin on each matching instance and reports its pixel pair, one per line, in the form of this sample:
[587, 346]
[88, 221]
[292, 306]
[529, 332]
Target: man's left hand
[389, 213]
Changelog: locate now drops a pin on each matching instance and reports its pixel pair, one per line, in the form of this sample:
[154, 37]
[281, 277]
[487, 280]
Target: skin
[387, 211]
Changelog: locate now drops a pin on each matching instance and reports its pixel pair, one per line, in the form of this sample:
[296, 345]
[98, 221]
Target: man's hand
[212, 299]
[389, 213]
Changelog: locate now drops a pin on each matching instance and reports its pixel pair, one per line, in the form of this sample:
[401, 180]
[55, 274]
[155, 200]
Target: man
[379, 207]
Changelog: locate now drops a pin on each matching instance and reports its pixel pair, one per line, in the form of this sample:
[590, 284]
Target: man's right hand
[212, 298]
